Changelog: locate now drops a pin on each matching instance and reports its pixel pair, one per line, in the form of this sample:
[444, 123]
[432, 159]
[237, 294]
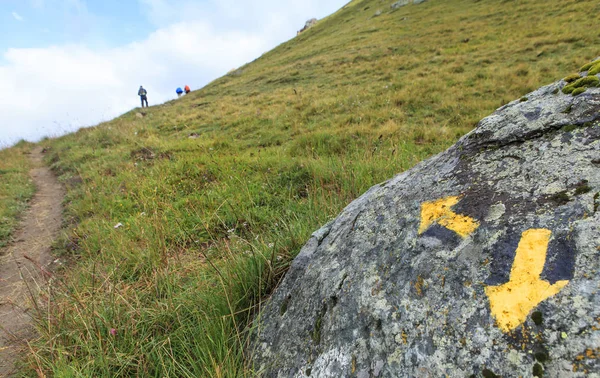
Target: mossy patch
[586, 67]
[560, 198]
[572, 78]
[538, 370]
[584, 82]
[570, 128]
[284, 305]
[523, 99]
[537, 318]
[487, 373]
[578, 91]
[592, 68]
[541, 356]
[582, 188]
[316, 334]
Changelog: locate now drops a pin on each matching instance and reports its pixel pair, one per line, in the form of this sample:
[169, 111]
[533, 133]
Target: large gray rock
[400, 3]
[481, 260]
[309, 24]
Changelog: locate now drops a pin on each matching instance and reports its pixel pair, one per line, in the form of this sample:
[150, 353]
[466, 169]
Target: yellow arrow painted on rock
[440, 212]
[511, 302]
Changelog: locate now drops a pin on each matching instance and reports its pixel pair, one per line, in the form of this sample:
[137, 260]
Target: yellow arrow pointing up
[439, 211]
[511, 303]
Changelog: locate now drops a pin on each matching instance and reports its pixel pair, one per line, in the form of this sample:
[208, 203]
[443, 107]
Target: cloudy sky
[65, 64]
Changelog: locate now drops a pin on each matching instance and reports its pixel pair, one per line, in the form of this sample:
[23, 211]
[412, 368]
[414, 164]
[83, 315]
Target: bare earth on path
[23, 264]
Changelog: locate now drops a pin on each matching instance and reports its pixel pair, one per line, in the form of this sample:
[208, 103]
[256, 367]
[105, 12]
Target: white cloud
[37, 4]
[17, 16]
[54, 90]
[50, 91]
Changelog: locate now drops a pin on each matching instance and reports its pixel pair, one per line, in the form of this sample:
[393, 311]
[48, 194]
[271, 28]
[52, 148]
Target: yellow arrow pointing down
[439, 212]
[511, 302]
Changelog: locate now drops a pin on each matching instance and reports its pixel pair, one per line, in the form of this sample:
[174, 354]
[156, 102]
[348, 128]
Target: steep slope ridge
[218, 190]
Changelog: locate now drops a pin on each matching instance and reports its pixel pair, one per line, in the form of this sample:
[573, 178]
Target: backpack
[142, 92]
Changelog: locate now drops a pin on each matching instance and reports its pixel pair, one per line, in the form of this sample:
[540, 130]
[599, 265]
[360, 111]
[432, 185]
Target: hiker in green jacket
[142, 93]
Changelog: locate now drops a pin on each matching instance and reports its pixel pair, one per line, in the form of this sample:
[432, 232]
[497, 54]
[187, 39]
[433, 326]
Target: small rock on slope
[402, 3]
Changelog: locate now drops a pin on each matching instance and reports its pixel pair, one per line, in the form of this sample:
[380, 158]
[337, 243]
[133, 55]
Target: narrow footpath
[24, 264]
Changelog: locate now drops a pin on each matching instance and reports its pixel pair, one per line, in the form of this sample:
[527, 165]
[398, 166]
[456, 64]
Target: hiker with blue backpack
[179, 92]
[142, 93]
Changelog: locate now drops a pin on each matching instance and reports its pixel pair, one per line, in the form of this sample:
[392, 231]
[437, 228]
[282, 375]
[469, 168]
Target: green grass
[210, 224]
[16, 188]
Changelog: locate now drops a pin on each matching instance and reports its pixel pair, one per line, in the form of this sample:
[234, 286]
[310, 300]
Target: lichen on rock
[404, 282]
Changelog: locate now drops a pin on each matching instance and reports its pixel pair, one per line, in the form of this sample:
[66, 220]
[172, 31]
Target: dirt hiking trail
[24, 264]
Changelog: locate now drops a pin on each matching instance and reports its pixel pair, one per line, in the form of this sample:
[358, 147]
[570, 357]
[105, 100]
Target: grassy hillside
[216, 192]
[16, 188]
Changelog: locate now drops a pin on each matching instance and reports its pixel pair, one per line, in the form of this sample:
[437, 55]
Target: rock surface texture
[309, 24]
[481, 261]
